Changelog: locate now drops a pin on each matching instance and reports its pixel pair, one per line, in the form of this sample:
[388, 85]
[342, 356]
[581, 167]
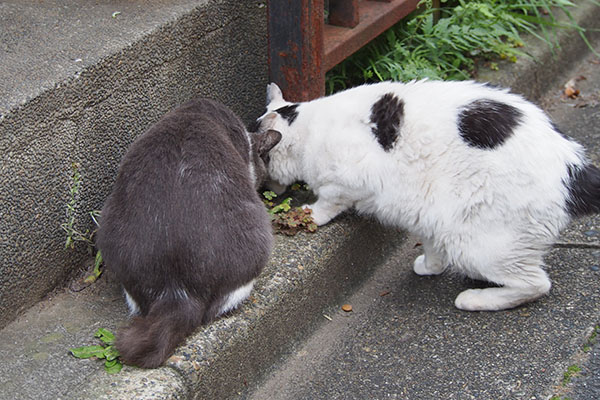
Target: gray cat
[184, 229]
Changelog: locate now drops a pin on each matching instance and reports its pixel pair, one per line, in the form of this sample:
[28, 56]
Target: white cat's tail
[149, 340]
[583, 188]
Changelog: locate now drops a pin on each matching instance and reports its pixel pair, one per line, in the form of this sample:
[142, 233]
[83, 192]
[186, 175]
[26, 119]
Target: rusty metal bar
[296, 45]
[375, 17]
[343, 13]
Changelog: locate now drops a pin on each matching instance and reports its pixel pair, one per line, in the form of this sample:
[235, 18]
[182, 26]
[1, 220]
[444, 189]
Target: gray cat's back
[184, 227]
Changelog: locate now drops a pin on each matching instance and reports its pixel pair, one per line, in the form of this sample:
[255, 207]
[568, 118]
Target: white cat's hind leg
[429, 263]
[530, 283]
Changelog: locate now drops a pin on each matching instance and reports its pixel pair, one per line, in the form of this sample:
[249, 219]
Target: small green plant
[295, 220]
[287, 219]
[106, 351]
[592, 339]
[572, 371]
[73, 234]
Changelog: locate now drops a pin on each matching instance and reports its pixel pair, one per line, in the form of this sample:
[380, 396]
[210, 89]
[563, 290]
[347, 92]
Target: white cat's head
[280, 117]
[280, 113]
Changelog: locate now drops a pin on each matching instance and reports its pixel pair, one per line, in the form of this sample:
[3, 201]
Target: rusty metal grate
[302, 47]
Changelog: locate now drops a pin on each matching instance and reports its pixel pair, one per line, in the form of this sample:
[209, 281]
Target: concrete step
[307, 276]
[305, 273]
[78, 82]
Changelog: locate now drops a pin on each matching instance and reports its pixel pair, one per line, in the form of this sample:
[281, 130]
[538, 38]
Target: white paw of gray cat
[421, 267]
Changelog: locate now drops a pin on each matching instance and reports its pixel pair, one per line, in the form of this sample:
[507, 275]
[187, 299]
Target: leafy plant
[287, 219]
[466, 31]
[107, 351]
[295, 220]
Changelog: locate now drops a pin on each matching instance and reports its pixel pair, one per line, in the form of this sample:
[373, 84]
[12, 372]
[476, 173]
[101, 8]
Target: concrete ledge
[306, 273]
[77, 85]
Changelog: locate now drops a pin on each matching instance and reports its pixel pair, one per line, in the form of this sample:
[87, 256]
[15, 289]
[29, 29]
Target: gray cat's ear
[268, 140]
[273, 93]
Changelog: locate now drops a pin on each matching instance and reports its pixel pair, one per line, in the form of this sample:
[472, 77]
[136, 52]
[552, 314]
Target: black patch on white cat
[486, 124]
[288, 112]
[584, 190]
[387, 114]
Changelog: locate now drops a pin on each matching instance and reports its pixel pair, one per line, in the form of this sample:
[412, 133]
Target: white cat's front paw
[421, 267]
[317, 216]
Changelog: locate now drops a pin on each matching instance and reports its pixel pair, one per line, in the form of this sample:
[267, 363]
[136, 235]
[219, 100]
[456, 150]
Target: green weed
[572, 370]
[466, 31]
[106, 351]
[592, 339]
[73, 234]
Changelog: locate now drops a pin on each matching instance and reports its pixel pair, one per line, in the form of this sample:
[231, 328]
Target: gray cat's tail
[149, 340]
[584, 190]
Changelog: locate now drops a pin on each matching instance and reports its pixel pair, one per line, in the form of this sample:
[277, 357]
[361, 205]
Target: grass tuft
[467, 31]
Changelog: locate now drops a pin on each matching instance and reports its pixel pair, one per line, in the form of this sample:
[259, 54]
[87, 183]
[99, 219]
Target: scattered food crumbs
[114, 15]
[347, 307]
[301, 267]
[570, 90]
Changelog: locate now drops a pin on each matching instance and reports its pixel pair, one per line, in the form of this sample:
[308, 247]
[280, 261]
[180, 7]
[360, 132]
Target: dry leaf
[384, 293]
[347, 307]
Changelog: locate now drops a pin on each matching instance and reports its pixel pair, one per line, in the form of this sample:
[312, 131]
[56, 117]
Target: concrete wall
[216, 49]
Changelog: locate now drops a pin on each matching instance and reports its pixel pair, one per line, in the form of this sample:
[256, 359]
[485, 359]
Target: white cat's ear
[267, 121]
[273, 93]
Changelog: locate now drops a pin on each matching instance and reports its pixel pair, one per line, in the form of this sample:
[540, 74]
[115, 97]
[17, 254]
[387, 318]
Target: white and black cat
[184, 229]
[480, 174]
